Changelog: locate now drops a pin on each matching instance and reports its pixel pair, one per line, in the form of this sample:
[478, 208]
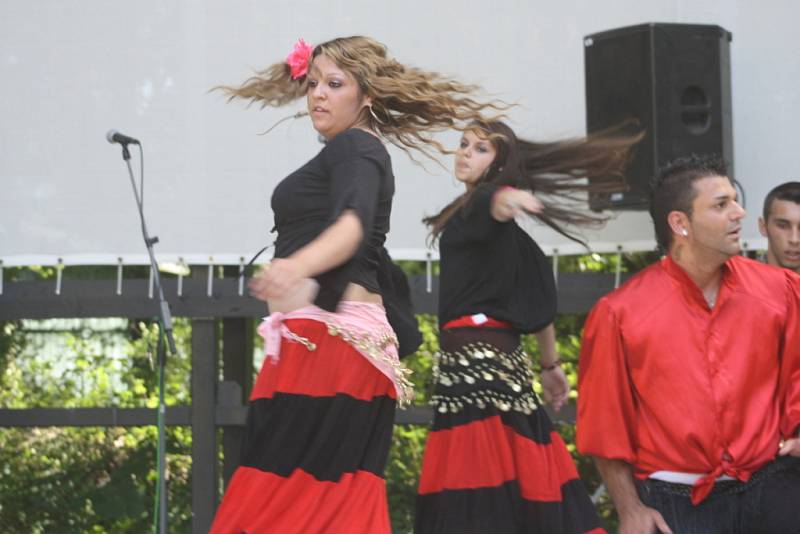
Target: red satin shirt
[666, 383]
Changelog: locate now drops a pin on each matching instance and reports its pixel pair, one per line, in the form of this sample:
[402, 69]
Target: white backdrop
[70, 70]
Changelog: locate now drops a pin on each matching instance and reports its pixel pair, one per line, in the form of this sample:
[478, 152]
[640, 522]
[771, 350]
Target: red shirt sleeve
[606, 406]
[790, 361]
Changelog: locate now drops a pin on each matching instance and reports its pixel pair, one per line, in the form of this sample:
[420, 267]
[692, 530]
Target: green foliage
[11, 343]
[421, 362]
[86, 480]
[402, 474]
[408, 442]
[418, 268]
[89, 479]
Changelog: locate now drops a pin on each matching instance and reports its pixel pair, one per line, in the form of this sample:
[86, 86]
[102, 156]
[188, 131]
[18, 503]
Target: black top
[352, 172]
[494, 268]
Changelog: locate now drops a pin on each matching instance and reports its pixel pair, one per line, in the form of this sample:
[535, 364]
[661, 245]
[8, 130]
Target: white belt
[677, 477]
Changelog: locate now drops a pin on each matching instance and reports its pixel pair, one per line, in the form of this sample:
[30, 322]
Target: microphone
[114, 136]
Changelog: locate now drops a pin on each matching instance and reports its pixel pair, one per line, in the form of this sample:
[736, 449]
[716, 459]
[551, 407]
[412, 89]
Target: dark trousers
[767, 504]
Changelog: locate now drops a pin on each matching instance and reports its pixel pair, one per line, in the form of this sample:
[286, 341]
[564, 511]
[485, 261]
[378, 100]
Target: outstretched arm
[509, 202]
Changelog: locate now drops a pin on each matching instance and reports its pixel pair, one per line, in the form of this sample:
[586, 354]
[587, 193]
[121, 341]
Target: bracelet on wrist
[503, 188]
[551, 366]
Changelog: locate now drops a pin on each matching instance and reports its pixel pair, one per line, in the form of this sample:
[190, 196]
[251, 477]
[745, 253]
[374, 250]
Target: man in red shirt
[781, 226]
[690, 374]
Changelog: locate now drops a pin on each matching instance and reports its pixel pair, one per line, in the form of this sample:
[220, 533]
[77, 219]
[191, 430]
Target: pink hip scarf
[362, 325]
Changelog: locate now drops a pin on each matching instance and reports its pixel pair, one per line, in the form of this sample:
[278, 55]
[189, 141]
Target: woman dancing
[321, 412]
[493, 462]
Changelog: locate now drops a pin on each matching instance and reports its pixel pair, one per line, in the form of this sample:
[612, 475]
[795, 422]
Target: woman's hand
[555, 387]
[279, 279]
[509, 202]
[334, 246]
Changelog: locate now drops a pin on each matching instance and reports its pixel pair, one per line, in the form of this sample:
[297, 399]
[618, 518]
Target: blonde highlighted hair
[408, 104]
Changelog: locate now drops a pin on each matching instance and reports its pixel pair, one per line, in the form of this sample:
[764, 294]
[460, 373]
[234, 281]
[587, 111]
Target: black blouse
[494, 268]
[352, 172]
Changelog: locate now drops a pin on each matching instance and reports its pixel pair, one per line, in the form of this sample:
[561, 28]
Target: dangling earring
[372, 112]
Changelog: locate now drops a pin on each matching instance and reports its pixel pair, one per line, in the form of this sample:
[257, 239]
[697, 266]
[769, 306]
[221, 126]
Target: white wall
[71, 70]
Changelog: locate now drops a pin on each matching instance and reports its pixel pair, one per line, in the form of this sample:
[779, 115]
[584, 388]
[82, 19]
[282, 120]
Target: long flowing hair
[560, 173]
[409, 104]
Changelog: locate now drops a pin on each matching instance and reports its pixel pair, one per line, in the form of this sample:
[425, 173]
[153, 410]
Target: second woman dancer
[493, 461]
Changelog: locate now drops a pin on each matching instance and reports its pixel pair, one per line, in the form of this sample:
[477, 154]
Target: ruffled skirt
[317, 440]
[493, 462]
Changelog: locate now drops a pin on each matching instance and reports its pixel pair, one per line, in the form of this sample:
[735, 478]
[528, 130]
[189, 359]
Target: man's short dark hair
[787, 191]
[672, 189]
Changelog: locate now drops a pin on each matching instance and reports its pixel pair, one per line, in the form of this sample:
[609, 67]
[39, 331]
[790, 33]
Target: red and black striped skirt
[318, 433]
[493, 461]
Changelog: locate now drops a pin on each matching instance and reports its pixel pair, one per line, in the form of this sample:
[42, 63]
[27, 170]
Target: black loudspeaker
[675, 81]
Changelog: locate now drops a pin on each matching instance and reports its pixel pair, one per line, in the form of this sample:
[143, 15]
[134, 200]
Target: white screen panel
[72, 70]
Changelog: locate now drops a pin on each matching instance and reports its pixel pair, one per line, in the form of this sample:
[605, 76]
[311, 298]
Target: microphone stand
[164, 330]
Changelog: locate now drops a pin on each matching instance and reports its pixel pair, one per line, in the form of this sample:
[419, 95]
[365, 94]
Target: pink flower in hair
[298, 58]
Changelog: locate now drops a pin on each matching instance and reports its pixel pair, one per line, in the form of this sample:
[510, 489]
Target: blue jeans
[767, 504]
